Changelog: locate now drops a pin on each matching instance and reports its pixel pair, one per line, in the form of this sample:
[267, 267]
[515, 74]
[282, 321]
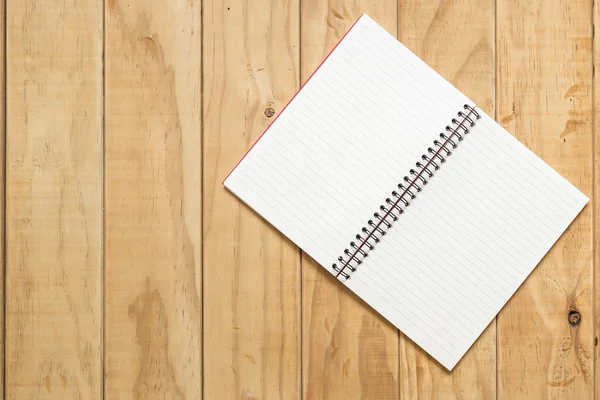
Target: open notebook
[404, 190]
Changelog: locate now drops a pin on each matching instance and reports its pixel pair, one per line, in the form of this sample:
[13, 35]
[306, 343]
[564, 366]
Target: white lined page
[348, 138]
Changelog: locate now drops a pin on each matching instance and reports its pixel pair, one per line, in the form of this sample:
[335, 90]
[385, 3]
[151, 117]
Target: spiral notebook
[406, 192]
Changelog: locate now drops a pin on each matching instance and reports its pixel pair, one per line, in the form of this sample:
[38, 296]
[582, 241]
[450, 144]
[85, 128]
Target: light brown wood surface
[54, 200]
[131, 273]
[251, 272]
[153, 238]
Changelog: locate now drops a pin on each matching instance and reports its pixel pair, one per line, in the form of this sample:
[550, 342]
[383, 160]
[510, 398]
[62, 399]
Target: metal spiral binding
[411, 184]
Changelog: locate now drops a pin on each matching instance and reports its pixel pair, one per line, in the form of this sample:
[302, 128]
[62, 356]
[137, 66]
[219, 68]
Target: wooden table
[132, 274]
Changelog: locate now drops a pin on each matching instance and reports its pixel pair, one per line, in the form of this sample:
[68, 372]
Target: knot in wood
[269, 112]
[574, 318]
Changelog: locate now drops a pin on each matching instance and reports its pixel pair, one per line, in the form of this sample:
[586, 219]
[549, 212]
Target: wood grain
[252, 273]
[349, 351]
[544, 72]
[457, 40]
[153, 320]
[54, 200]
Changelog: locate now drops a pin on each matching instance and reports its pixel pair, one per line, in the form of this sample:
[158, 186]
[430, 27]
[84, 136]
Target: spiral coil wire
[394, 206]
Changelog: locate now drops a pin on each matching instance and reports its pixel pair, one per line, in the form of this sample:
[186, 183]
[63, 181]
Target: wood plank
[457, 40]
[544, 64]
[349, 350]
[54, 200]
[252, 273]
[153, 308]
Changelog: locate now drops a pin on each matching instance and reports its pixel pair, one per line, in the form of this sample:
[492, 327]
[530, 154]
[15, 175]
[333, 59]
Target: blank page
[346, 140]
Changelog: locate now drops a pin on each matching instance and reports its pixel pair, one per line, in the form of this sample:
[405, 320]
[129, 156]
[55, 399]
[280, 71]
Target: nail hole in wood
[269, 112]
[574, 318]
[596, 341]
